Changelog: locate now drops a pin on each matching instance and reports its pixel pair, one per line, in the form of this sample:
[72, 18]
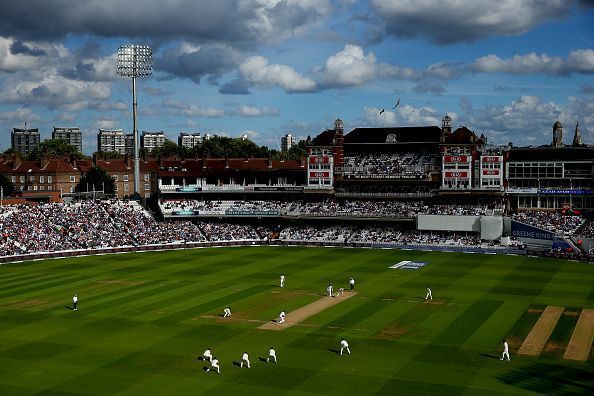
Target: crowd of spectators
[586, 230]
[410, 165]
[327, 208]
[86, 225]
[105, 224]
[228, 231]
[550, 220]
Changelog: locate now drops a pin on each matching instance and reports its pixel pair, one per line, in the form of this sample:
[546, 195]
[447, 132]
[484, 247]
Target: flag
[397, 103]
[382, 112]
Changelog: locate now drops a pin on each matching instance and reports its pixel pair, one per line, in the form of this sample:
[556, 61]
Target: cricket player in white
[352, 284]
[271, 355]
[245, 358]
[281, 317]
[329, 290]
[340, 292]
[344, 345]
[207, 355]
[429, 296]
[214, 364]
[75, 302]
[505, 354]
[282, 280]
[227, 312]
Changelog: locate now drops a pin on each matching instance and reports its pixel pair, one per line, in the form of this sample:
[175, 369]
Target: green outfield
[144, 318]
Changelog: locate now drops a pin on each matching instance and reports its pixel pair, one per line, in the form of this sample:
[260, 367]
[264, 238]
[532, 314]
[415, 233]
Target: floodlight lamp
[135, 61]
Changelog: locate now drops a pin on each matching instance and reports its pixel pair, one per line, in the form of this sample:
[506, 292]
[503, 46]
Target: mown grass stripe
[192, 311]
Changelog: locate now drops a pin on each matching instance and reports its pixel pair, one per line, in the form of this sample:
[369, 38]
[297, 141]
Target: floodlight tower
[135, 61]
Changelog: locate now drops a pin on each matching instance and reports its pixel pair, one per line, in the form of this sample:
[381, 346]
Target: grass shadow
[336, 351]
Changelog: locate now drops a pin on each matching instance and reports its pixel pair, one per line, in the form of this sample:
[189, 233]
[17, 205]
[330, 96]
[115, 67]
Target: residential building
[71, 135]
[24, 140]
[151, 140]
[110, 140]
[189, 140]
[287, 142]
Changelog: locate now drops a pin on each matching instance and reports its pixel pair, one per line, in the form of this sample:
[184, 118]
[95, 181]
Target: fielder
[329, 290]
[271, 355]
[282, 280]
[75, 302]
[214, 364]
[281, 317]
[207, 355]
[227, 312]
[429, 295]
[245, 358]
[505, 354]
[352, 284]
[344, 345]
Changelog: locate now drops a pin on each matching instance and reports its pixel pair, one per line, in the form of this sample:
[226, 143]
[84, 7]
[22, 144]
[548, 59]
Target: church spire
[577, 137]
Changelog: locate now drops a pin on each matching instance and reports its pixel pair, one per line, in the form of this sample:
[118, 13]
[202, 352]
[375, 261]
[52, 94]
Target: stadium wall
[448, 223]
[193, 245]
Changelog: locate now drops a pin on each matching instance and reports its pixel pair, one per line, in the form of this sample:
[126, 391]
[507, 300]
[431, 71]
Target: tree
[108, 155]
[54, 148]
[6, 185]
[169, 149]
[96, 179]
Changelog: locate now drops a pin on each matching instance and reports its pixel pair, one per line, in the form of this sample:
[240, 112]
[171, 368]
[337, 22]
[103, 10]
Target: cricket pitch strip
[299, 315]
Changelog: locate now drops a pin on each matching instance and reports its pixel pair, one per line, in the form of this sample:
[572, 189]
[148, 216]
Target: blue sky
[507, 69]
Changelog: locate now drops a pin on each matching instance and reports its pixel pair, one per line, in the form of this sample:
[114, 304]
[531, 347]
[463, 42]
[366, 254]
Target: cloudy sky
[506, 68]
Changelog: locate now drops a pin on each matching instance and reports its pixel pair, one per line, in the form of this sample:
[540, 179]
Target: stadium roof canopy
[551, 154]
[424, 134]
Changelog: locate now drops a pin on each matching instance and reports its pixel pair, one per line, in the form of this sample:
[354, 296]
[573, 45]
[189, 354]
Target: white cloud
[451, 21]
[351, 67]
[403, 116]
[66, 117]
[578, 61]
[192, 110]
[20, 115]
[253, 111]
[257, 71]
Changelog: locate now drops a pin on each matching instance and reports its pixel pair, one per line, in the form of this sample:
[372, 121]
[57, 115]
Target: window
[147, 177]
[126, 187]
[49, 179]
[32, 178]
[41, 179]
[125, 178]
[42, 188]
[147, 187]
[13, 179]
[115, 178]
[72, 179]
[22, 179]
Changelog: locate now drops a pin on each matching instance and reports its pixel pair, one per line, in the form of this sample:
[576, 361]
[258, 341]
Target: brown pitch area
[299, 315]
[581, 340]
[540, 333]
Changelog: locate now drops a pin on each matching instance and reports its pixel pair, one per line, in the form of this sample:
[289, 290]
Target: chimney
[269, 160]
[226, 162]
[15, 161]
[73, 161]
[160, 160]
[303, 159]
[44, 160]
[127, 161]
